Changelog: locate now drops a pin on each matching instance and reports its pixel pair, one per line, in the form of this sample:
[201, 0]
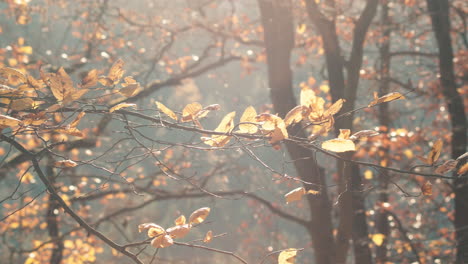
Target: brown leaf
[434, 154]
[180, 220]
[72, 131]
[226, 125]
[463, 169]
[8, 121]
[5, 71]
[90, 80]
[77, 120]
[295, 195]
[130, 90]
[427, 188]
[307, 97]
[344, 133]
[116, 72]
[162, 241]
[22, 104]
[448, 165]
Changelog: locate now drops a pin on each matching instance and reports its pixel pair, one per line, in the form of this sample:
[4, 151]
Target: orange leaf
[463, 169]
[191, 111]
[180, 220]
[295, 195]
[334, 108]
[434, 154]
[208, 237]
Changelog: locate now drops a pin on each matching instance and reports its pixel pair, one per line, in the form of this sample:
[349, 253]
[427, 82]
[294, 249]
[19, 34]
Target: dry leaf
[313, 192]
[334, 108]
[116, 71]
[72, 131]
[9, 121]
[463, 169]
[427, 188]
[162, 241]
[77, 120]
[199, 215]
[226, 125]
[448, 165]
[191, 111]
[364, 133]
[344, 133]
[307, 97]
[153, 229]
[166, 111]
[22, 104]
[90, 80]
[130, 90]
[248, 117]
[295, 115]
[178, 231]
[180, 220]
[295, 195]
[386, 98]
[208, 237]
[5, 71]
[378, 239]
[121, 105]
[287, 256]
[434, 154]
[339, 145]
[65, 164]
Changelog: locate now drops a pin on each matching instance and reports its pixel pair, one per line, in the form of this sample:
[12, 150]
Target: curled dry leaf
[313, 192]
[191, 111]
[162, 241]
[115, 74]
[295, 195]
[166, 110]
[248, 117]
[287, 256]
[386, 98]
[65, 164]
[199, 215]
[339, 145]
[180, 220]
[364, 133]
[463, 156]
[378, 239]
[307, 96]
[119, 106]
[426, 189]
[8, 121]
[178, 231]
[212, 107]
[208, 237]
[448, 165]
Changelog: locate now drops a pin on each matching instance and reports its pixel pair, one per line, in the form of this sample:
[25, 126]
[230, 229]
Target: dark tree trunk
[278, 27]
[53, 225]
[439, 12]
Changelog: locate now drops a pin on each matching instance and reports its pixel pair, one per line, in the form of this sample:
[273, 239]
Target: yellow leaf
[339, 145]
[153, 229]
[190, 111]
[77, 120]
[162, 241]
[344, 133]
[427, 188]
[180, 220]
[386, 98]
[434, 154]
[9, 121]
[295, 115]
[378, 239]
[208, 237]
[295, 195]
[287, 256]
[368, 175]
[463, 169]
[166, 110]
[121, 105]
[334, 108]
[178, 231]
[199, 215]
[313, 192]
[65, 164]
[301, 28]
[307, 96]
[248, 117]
[22, 104]
[25, 49]
[226, 125]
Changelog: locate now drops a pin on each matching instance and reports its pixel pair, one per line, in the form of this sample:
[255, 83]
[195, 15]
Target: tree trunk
[278, 27]
[439, 12]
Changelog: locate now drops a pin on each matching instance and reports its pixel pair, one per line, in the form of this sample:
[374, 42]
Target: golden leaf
[166, 110]
[121, 105]
[190, 111]
[378, 239]
[313, 192]
[162, 241]
[287, 256]
[65, 164]
[5, 71]
[307, 96]
[301, 28]
[116, 72]
[36, 84]
[199, 215]
[178, 231]
[130, 90]
[153, 229]
[248, 117]
[277, 135]
[427, 188]
[386, 98]
[344, 133]
[9, 121]
[368, 175]
[463, 169]
[434, 154]
[295, 115]
[334, 108]
[22, 104]
[180, 220]
[60, 84]
[90, 80]
[72, 131]
[448, 165]
[208, 237]
[339, 145]
[295, 195]
[77, 120]
[226, 125]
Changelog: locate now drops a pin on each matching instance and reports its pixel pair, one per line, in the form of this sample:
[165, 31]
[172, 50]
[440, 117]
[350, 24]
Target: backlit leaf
[295, 115]
[77, 120]
[153, 229]
[116, 71]
[226, 125]
[191, 111]
[248, 117]
[434, 154]
[307, 96]
[7, 72]
[9, 121]
[295, 195]
[162, 241]
[178, 231]
[65, 164]
[22, 104]
[287, 256]
[130, 90]
[180, 220]
[344, 133]
[166, 110]
[208, 237]
[90, 80]
[463, 169]
[121, 105]
[364, 133]
[199, 215]
[378, 239]
[339, 145]
[386, 98]
[334, 108]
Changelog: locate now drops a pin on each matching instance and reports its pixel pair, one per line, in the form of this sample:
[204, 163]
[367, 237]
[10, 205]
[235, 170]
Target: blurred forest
[233, 131]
